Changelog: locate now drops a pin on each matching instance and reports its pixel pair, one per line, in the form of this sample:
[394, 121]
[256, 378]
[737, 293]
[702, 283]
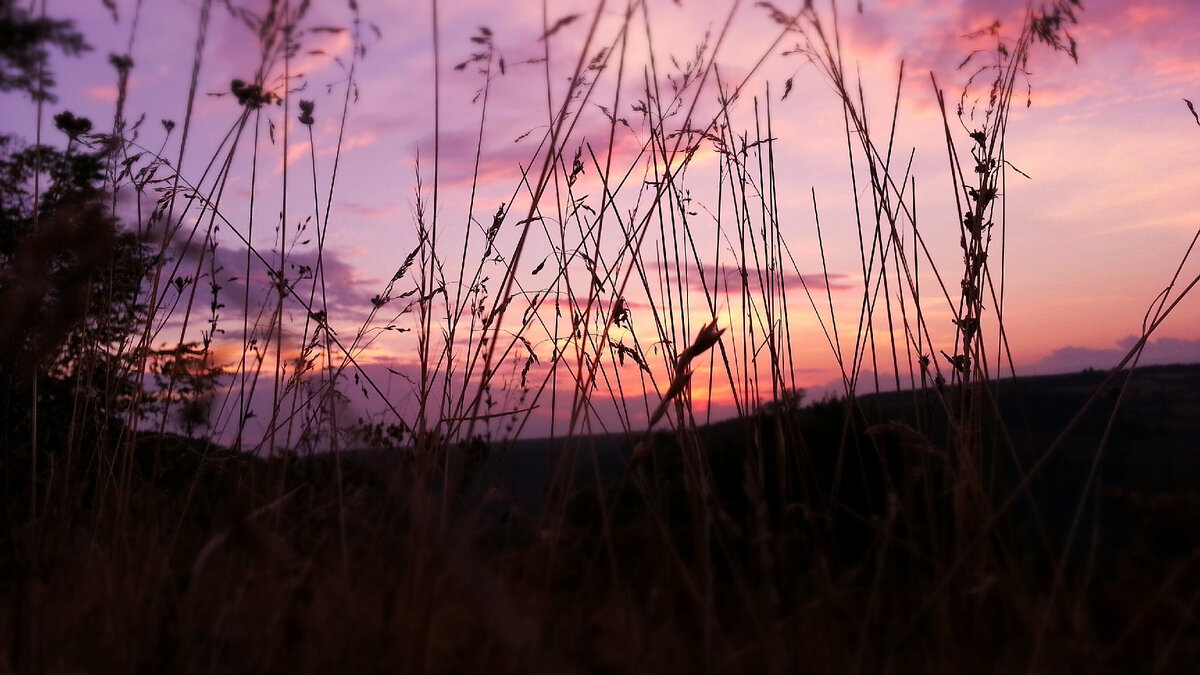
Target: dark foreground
[828, 538]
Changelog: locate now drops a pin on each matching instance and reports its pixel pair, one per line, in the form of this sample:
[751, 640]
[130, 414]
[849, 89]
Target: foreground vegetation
[910, 533]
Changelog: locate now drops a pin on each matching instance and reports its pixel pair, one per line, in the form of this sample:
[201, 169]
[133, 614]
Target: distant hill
[1150, 465]
[1149, 474]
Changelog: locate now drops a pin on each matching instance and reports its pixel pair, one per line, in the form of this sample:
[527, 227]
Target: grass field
[172, 508]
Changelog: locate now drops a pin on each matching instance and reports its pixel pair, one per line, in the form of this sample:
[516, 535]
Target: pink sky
[1093, 236]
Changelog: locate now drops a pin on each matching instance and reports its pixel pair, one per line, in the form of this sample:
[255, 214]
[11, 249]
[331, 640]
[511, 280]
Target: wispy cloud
[347, 289]
[367, 212]
[730, 276]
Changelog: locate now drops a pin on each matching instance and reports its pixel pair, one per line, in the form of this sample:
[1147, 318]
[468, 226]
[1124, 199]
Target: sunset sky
[1111, 152]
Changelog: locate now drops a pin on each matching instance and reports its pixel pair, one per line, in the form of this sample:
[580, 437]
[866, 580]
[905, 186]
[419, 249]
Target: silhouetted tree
[69, 289]
[70, 276]
[24, 50]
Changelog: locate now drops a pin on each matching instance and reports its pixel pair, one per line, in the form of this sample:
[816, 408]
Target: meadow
[598, 455]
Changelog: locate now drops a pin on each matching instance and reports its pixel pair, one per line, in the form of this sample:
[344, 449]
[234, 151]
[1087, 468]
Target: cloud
[518, 141]
[239, 47]
[1163, 351]
[1123, 47]
[731, 275]
[347, 289]
[366, 211]
[102, 93]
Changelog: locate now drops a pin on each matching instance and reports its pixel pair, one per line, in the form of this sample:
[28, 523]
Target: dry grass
[840, 536]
